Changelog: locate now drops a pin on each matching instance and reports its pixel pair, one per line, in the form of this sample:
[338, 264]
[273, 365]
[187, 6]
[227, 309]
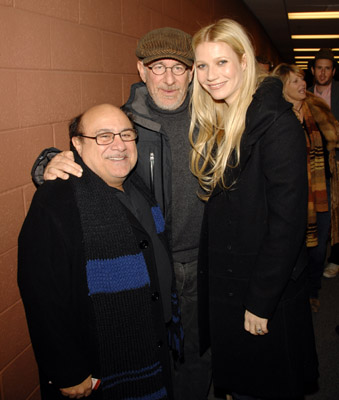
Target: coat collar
[267, 106]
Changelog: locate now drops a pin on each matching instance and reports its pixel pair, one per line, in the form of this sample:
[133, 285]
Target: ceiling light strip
[304, 57]
[314, 15]
[307, 49]
[315, 36]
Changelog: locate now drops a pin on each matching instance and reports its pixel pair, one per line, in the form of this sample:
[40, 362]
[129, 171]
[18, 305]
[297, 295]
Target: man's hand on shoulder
[61, 166]
[84, 389]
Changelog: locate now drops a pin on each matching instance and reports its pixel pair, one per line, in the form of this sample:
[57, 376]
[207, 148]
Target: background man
[264, 63]
[97, 284]
[159, 106]
[327, 88]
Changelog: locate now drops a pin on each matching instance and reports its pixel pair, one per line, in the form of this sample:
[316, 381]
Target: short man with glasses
[95, 272]
[159, 106]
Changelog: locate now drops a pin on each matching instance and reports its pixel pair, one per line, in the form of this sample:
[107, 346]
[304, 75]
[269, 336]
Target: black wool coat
[252, 256]
[54, 289]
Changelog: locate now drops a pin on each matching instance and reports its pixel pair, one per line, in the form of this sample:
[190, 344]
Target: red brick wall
[57, 58]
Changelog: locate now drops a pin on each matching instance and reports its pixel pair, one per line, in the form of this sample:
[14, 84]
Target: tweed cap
[166, 43]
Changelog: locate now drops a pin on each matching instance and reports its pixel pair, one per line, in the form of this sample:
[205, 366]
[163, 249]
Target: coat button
[229, 246]
[230, 294]
[229, 270]
[160, 344]
[155, 296]
[143, 244]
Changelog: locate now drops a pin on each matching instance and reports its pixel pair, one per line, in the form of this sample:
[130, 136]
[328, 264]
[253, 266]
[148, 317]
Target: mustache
[166, 87]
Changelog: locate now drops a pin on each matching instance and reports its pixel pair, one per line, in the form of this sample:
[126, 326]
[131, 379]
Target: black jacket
[53, 286]
[252, 256]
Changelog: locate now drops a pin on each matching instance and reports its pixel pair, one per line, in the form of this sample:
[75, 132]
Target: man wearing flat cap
[159, 106]
[327, 88]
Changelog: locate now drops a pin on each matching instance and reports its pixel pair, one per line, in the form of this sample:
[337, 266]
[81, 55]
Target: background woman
[250, 158]
[321, 131]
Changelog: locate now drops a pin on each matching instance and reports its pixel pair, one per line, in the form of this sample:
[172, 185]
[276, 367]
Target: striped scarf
[119, 287]
[317, 194]
[329, 127]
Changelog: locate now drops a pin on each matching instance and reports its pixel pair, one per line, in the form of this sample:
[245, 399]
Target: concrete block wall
[58, 58]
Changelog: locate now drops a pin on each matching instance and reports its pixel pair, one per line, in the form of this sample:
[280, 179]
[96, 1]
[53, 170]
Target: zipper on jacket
[151, 170]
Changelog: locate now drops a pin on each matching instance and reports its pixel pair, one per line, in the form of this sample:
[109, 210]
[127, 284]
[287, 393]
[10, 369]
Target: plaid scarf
[329, 127]
[317, 193]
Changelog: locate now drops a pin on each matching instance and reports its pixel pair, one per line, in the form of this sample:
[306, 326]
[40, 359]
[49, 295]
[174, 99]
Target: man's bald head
[89, 134]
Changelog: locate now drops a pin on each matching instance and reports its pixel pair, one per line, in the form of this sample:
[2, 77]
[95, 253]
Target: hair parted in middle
[217, 145]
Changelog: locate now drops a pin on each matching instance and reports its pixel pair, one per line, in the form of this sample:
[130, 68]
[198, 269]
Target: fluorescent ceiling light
[315, 36]
[306, 49]
[309, 49]
[304, 57]
[314, 15]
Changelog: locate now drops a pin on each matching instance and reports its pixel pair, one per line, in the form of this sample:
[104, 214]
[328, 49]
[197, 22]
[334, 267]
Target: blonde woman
[321, 133]
[250, 159]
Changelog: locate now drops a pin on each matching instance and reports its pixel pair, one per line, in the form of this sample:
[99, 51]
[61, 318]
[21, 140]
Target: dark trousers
[191, 379]
[317, 254]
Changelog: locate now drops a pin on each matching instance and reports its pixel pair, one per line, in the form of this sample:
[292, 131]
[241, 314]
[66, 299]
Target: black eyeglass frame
[113, 136]
[166, 68]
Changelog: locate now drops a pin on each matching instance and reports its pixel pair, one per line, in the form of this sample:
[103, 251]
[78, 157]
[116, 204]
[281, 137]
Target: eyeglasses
[126, 135]
[160, 69]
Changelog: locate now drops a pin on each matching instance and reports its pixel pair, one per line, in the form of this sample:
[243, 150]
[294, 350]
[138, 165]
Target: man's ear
[141, 69]
[312, 69]
[77, 143]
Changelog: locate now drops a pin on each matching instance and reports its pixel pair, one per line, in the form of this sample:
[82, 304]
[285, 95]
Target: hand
[84, 389]
[61, 166]
[255, 325]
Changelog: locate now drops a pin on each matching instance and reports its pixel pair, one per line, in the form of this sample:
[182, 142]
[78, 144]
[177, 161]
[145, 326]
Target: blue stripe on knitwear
[118, 274]
[135, 375]
[132, 372]
[130, 379]
[158, 219]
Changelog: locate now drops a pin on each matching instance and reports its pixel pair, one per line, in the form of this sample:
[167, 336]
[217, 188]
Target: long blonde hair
[221, 125]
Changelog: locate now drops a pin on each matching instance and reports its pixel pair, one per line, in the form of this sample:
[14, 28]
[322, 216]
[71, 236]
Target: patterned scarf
[317, 194]
[329, 127]
[119, 288]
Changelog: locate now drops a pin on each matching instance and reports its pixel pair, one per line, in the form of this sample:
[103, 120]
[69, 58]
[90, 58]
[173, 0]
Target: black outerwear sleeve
[40, 164]
[283, 163]
[52, 285]
[203, 289]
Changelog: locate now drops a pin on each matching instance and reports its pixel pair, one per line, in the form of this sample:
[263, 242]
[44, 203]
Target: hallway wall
[58, 58]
